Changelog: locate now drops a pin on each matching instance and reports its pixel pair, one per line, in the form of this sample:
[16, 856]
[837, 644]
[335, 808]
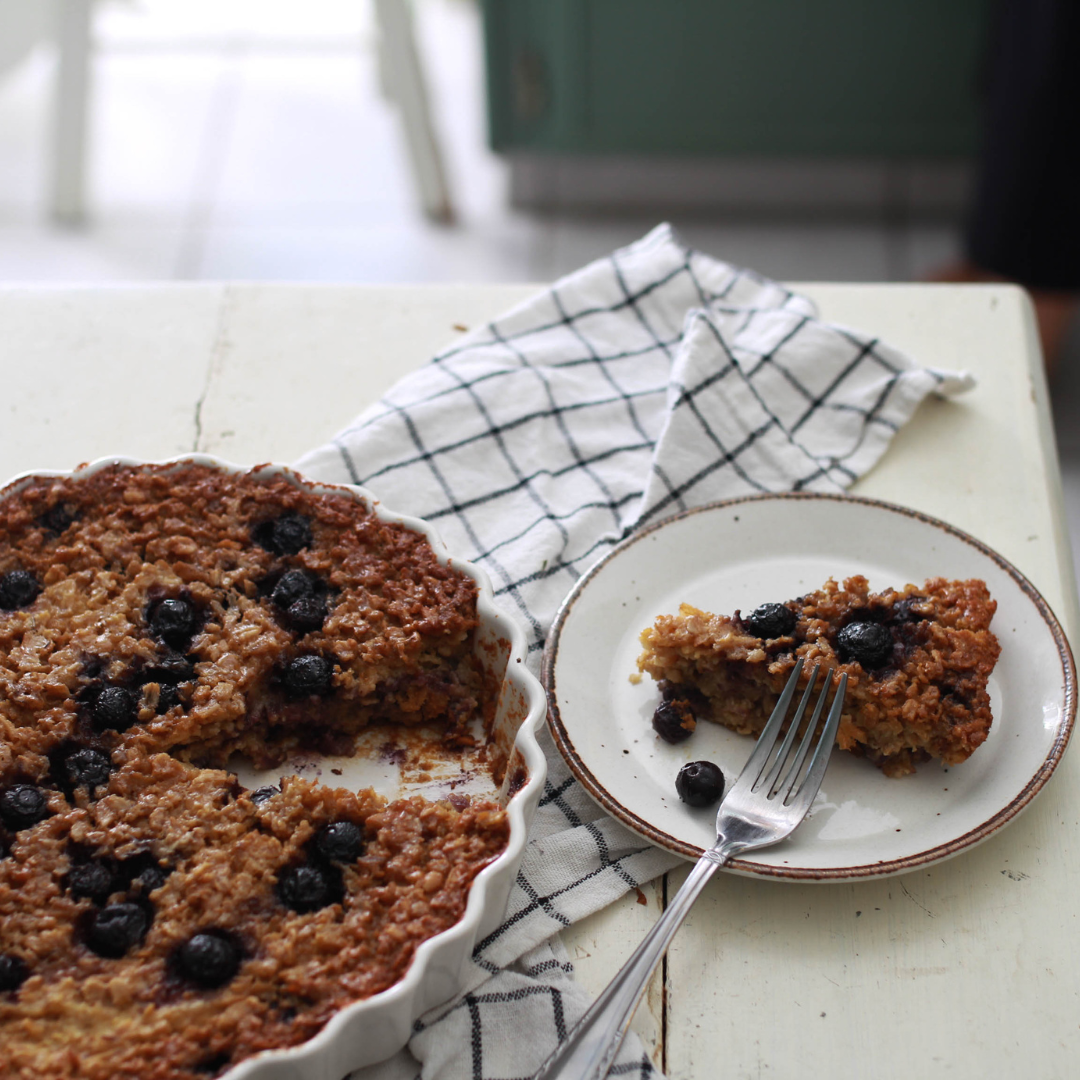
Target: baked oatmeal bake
[157, 920]
[917, 660]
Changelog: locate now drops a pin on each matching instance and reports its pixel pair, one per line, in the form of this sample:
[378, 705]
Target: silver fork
[765, 805]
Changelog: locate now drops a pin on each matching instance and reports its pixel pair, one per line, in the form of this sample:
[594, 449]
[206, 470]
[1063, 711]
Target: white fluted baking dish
[372, 1029]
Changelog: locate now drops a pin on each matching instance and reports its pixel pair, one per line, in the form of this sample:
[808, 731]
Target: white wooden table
[968, 970]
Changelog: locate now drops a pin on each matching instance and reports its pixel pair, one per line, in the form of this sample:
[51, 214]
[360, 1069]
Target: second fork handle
[588, 1052]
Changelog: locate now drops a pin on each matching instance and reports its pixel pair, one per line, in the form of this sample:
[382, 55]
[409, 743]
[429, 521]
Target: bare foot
[1054, 309]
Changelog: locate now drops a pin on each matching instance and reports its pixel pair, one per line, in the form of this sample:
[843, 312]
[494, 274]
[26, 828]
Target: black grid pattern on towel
[532, 444]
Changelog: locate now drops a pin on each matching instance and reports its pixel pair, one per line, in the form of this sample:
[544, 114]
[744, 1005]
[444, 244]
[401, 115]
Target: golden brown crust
[928, 699]
[398, 635]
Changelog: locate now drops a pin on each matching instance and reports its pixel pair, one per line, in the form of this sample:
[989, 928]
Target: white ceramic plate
[742, 553]
[377, 1027]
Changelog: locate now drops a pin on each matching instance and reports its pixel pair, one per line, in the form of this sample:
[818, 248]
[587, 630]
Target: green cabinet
[805, 78]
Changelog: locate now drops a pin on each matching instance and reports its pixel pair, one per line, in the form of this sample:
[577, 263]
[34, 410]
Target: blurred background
[255, 138]
[488, 140]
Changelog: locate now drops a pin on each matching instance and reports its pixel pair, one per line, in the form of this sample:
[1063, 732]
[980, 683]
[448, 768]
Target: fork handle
[588, 1052]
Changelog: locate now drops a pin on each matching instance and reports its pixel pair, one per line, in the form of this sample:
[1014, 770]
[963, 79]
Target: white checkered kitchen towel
[647, 382]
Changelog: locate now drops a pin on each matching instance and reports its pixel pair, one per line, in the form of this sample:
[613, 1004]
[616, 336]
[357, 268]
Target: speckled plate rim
[385, 1020]
[563, 739]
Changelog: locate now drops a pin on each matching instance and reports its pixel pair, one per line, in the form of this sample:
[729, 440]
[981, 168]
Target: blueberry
[170, 669]
[93, 880]
[340, 841]
[86, 767]
[18, 588]
[308, 888]
[174, 621]
[22, 806]
[114, 708]
[116, 928]
[263, 794]
[308, 675]
[208, 958]
[13, 972]
[302, 597]
[153, 877]
[700, 783]
[307, 614]
[867, 643]
[168, 696]
[904, 610]
[770, 621]
[57, 518]
[674, 720]
[292, 586]
[285, 535]
[167, 673]
[145, 872]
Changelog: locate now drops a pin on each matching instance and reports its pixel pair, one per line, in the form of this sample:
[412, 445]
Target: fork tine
[772, 779]
[807, 739]
[759, 759]
[818, 763]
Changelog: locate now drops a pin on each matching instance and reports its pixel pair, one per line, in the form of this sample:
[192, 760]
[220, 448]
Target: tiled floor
[248, 139]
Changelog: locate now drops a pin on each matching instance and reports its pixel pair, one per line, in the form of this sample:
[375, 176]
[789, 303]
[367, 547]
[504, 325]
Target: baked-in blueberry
[168, 696]
[867, 643]
[23, 805]
[340, 841]
[114, 709]
[93, 880]
[174, 621]
[308, 888]
[144, 872]
[86, 767]
[261, 795]
[285, 535]
[292, 586]
[302, 597]
[308, 675]
[307, 614]
[171, 669]
[18, 588]
[700, 783]
[57, 518]
[116, 928]
[904, 610]
[208, 958]
[13, 972]
[674, 720]
[770, 621]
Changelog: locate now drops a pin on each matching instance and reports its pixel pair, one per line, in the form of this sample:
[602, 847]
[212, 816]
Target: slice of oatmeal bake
[917, 659]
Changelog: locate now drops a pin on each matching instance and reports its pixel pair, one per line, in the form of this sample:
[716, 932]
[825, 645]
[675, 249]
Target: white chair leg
[402, 75]
[68, 196]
